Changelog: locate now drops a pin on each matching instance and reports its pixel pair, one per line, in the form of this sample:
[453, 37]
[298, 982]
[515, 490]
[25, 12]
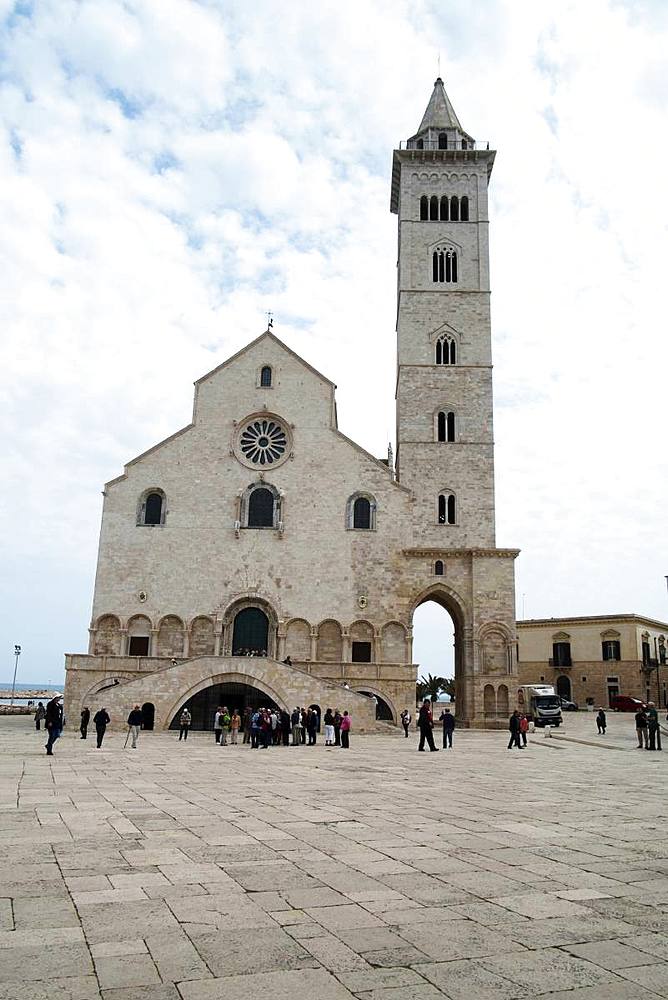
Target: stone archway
[564, 686]
[451, 602]
[232, 694]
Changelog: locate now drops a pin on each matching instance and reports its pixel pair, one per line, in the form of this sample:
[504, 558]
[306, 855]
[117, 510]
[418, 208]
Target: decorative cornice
[432, 553]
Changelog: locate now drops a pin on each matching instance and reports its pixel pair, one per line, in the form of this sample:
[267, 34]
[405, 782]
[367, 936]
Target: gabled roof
[267, 335]
[440, 112]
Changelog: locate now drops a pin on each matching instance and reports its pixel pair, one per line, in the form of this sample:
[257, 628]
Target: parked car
[624, 703]
[568, 706]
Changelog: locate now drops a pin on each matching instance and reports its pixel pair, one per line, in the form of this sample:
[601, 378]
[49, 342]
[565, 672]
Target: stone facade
[596, 657]
[261, 519]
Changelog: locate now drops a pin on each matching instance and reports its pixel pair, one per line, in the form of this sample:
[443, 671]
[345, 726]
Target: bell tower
[445, 444]
[444, 379]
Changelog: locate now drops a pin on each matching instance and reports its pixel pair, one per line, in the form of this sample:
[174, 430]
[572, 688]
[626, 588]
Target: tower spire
[440, 112]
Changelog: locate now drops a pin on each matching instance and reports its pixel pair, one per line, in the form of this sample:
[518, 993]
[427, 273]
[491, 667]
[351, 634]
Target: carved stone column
[153, 643]
[124, 642]
[314, 643]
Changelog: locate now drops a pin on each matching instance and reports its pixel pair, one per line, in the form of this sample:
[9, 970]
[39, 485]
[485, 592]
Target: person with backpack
[184, 724]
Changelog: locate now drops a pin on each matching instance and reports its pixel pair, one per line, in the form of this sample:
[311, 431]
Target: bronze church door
[251, 633]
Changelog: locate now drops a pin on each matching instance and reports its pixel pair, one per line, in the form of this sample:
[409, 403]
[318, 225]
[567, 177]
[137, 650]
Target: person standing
[653, 731]
[641, 729]
[225, 720]
[53, 722]
[601, 722]
[217, 723]
[425, 725]
[329, 728]
[448, 721]
[248, 714]
[286, 725]
[312, 727]
[184, 724]
[406, 721]
[346, 723]
[255, 723]
[39, 715]
[101, 720]
[85, 719]
[303, 726]
[295, 720]
[235, 723]
[337, 727]
[134, 722]
[514, 727]
[524, 729]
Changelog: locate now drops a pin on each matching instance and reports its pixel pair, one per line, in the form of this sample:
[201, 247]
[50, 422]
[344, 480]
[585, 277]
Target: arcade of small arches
[444, 209]
[251, 628]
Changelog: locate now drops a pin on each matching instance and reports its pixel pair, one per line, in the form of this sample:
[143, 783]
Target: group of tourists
[648, 729]
[266, 727]
[519, 727]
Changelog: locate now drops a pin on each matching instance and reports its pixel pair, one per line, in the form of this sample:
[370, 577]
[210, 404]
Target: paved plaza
[188, 871]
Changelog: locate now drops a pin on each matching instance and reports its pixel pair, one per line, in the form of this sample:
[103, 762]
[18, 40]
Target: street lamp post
[17, 653]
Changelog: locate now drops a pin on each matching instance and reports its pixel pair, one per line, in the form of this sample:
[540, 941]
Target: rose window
[263, 441]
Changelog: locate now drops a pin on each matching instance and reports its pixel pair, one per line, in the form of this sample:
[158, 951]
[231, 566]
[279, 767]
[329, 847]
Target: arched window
[424, 208]
[454, 208]
[265, 377]
[261, 509]
[433, 208]
[361, 512]
[419, 144]
[446, 508]
[445, 209]
[442, 140]
[444, 265]
[446, 426]
[464, 209]
[438, 567]
[152, 508]
[446, 350]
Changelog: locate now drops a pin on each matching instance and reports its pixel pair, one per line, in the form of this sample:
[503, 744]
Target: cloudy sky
[173, 169]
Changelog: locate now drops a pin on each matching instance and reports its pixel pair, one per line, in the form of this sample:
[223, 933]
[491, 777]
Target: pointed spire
[440, 112]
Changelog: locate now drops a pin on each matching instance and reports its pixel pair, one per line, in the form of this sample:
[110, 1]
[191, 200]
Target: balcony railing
[559, 663]
[429, 144]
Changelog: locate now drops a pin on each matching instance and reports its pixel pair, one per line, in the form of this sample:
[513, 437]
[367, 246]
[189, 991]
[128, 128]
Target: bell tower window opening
[464, 209]
[454, 208]
[446, 508]
[444, 266]
[446, 351]
[446, 426]
[433, 208]
[445, 209]
[424, 208]
[442, 140]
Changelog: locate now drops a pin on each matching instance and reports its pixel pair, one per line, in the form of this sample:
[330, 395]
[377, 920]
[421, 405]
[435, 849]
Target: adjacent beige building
[260, 532]
[596, 658]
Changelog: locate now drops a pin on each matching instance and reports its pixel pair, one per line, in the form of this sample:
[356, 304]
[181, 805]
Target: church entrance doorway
[437, 649]
[250, 633]
[564, 687]
[203, 705]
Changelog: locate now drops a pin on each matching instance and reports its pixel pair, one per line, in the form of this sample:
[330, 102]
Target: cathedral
[260, 556]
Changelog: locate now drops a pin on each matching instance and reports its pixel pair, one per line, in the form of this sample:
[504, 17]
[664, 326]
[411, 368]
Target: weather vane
[270, 320]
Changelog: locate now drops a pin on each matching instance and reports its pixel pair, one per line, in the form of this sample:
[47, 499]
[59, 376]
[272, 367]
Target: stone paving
[186, 871]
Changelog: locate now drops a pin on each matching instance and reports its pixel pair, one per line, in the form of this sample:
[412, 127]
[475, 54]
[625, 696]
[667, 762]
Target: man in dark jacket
[448, 720]
[425, 725]
[514, 727]
[85, 719]
[653, 731]
[53, 720]
[134, 722]
[101, 720]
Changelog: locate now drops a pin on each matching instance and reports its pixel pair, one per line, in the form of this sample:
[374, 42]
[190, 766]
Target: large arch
[385, 709]
[220, 679]
[451, 602]
[232, 694]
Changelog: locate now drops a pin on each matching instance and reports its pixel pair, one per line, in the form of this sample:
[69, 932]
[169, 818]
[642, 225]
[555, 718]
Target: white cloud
[173, 169]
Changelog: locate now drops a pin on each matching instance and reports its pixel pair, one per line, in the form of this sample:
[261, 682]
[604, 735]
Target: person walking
[524, 729]
[406, 721]
[653, 731]
[601, 722]
[425, 725]
[641, 730]
[85, 720]
[329, 728]
[134, 722]
[346, 723]
[448, 721]
[235, 723]
[514, 727]
[39, 715]
[101, 720]
[184, 724]
[217, 723]
[53, 722]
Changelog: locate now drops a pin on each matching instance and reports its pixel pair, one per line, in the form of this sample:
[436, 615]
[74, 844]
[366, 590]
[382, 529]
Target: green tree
[432, 686]
[449, 687]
